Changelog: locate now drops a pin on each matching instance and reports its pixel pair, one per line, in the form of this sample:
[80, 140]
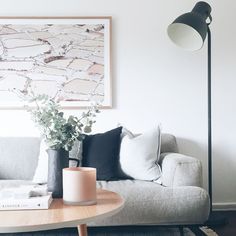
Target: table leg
[82, 230]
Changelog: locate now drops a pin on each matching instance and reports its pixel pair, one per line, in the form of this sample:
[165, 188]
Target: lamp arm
[210, 18]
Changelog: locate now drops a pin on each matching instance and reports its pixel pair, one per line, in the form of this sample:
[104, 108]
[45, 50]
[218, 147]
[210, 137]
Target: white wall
[154, 81]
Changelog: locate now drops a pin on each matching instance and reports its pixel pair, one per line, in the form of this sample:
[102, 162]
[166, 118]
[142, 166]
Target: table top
[60, 215]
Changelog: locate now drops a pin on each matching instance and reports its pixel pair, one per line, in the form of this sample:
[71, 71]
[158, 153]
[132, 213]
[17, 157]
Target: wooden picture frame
[64, 57]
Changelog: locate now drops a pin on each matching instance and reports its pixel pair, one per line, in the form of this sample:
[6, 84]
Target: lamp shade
[189, 30]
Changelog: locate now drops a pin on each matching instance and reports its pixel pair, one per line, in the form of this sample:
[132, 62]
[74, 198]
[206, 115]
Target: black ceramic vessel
[57, 160]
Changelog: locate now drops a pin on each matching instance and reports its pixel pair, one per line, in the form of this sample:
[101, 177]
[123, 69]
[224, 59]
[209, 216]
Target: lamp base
[216, 219]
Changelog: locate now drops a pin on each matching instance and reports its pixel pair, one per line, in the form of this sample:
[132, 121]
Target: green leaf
[58, 130]
[87, 129]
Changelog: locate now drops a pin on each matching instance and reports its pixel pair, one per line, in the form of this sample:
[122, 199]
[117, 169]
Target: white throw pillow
[139, 155]
[125, 132]
[41, 172]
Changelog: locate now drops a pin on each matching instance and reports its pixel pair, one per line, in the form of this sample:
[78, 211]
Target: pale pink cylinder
[79, 186]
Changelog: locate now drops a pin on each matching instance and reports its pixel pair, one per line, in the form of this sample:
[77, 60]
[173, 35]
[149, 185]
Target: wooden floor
[230, 228]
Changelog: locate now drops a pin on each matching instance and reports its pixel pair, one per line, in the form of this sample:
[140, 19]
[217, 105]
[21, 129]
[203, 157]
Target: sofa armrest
[180, 170]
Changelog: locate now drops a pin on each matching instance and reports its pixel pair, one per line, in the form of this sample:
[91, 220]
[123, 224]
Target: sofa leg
[181, 230]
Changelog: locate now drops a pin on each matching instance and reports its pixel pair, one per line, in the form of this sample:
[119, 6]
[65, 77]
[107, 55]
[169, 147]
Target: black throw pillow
[101, 151]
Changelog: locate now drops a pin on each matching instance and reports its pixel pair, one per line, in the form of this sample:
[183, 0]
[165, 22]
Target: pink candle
[79, 186]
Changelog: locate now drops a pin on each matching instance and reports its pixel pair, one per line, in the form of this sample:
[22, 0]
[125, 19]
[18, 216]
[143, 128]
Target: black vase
[57, 160]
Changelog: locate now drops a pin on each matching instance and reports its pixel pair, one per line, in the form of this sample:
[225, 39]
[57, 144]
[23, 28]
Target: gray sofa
[179, 200]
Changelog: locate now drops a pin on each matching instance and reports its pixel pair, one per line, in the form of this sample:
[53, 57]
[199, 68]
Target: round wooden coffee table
[60, 215]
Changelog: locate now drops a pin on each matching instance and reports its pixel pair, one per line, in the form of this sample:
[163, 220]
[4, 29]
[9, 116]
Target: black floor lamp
[189, 32]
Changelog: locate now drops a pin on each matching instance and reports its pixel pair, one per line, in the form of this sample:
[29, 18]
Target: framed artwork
[64, 57]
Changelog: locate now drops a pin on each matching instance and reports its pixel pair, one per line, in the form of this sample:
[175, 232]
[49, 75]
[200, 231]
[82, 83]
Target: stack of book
[25, 198]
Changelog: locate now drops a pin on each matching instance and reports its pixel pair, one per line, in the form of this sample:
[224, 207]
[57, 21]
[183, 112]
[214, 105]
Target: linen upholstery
[181, 170]
[18, 157]
[168, 143]
[147, 203]
[150, 203]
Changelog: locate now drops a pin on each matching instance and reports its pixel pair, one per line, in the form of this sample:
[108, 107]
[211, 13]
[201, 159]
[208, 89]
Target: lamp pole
[213, 219]
[209, 118]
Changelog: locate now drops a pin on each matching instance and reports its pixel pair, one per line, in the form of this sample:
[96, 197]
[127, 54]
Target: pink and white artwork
[64, 57]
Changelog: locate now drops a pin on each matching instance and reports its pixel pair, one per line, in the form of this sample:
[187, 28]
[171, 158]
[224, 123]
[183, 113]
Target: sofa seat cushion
[150, 203]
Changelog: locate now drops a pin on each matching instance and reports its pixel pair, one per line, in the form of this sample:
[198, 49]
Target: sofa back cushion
[168, 143]
[18, 157]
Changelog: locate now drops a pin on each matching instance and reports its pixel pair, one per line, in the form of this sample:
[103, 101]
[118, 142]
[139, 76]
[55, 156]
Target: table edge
[59, 225]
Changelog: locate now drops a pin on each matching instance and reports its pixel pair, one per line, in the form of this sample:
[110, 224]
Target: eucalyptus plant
[58, 130]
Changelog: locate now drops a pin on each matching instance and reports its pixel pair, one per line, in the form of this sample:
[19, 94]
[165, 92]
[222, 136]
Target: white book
[32, 203]
[23, 191]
